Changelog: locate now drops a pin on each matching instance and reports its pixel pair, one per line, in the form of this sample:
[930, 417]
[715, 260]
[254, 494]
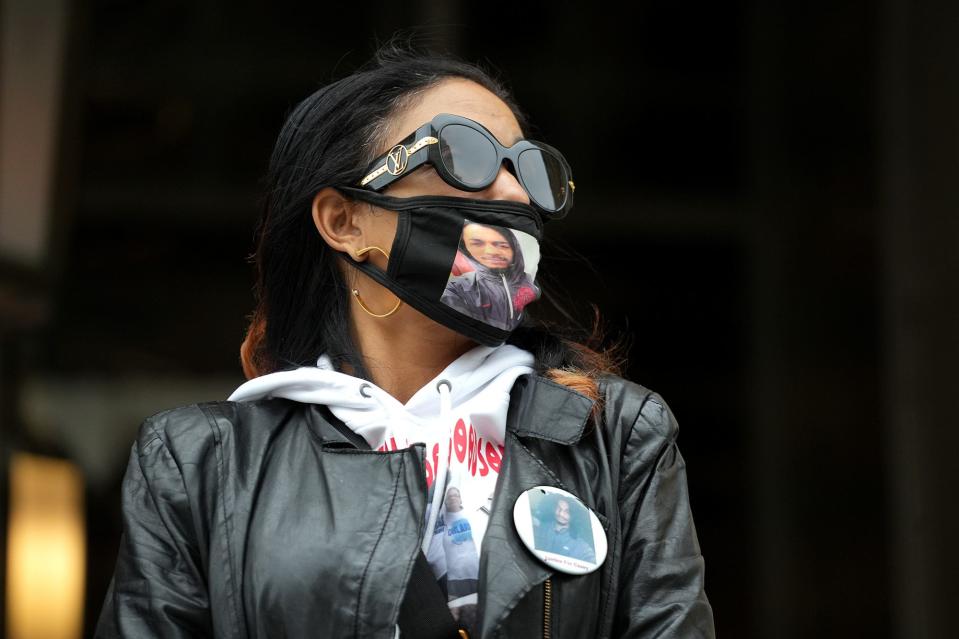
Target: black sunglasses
[468, 157]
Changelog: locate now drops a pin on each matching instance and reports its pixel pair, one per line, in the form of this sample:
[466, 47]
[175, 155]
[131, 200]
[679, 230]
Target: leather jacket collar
[539, 408]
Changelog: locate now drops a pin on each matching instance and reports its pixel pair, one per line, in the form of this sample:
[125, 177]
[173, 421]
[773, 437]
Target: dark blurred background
[766, 204]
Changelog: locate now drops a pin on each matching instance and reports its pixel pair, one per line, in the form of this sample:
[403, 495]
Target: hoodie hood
[479, 383]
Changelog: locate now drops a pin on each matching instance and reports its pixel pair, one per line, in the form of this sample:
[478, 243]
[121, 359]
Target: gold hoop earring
[356, 294]
[363, 251]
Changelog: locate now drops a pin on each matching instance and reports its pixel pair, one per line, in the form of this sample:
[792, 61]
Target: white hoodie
[461, 417]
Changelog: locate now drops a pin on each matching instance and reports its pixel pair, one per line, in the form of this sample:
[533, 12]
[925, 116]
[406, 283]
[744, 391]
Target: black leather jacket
[272, 519]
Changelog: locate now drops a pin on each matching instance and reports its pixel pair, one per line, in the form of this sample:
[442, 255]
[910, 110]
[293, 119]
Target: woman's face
[377, 226]
[487, 246]
[460, 97]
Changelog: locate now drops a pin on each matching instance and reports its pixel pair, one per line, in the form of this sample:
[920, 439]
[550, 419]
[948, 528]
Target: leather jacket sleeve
[158, 589]
[662, 572]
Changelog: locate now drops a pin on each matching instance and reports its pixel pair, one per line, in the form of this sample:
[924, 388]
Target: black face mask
[467, 264]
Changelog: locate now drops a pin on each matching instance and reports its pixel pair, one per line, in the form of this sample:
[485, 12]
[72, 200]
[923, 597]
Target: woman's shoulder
[191, 430]
[636, 409]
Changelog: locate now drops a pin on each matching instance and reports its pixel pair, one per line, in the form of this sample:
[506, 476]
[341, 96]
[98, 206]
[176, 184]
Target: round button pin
[560, 530]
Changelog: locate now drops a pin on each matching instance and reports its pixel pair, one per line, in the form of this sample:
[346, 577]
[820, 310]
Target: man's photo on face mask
[492, 276]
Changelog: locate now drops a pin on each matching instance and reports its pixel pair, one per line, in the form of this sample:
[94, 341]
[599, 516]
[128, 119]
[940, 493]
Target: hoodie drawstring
[445, 389]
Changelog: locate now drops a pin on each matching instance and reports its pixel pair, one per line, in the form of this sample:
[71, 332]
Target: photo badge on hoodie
[560, 530]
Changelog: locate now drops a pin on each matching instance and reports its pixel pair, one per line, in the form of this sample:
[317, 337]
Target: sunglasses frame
[422, 147]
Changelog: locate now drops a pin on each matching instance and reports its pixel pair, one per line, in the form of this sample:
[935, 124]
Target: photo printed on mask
[492, 278]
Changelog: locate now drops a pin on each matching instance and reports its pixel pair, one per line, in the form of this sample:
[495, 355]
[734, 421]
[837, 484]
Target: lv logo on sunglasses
[397, 159]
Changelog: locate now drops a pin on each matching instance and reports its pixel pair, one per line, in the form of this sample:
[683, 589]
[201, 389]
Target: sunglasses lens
[468, 154]
[545, 178]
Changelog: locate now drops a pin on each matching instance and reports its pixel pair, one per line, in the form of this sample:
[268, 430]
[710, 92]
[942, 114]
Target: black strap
[424, 613]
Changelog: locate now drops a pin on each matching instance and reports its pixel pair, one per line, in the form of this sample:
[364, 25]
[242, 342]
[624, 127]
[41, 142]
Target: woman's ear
[335, 220]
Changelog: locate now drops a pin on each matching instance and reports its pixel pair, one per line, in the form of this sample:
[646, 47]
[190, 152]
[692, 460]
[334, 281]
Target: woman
[493, 286]
[306, 505]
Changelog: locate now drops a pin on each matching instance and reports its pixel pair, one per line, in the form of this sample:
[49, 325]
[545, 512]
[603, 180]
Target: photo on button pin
[561, 526]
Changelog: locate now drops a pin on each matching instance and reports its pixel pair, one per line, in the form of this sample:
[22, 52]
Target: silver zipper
[509, 300]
